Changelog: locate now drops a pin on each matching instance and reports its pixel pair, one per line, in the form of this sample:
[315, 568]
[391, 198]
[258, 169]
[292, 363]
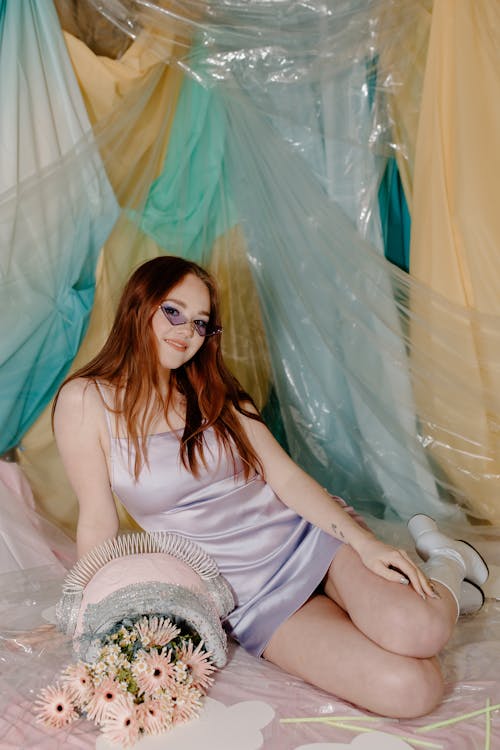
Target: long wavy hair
[129, 362]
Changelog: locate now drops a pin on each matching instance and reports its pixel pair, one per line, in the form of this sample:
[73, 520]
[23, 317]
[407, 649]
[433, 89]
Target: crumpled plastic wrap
[302, 105]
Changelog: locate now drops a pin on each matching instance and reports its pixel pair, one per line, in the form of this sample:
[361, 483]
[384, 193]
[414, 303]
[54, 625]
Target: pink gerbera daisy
[54, 707]
[186, 701]
[155, 714]
[121, 724]
[78, 682]
[156, 631]
[198, 664]
[153, 672]
[103, 698]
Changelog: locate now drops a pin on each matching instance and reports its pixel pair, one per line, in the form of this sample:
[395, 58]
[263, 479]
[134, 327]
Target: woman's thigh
[391, 614]
[320, 644]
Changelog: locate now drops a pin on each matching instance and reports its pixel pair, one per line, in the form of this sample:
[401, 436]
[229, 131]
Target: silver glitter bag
[156, 573]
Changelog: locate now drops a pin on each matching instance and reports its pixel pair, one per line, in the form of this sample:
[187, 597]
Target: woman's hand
[394, 565]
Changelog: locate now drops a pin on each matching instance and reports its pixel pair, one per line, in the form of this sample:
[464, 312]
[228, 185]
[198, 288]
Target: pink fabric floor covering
[252, 704]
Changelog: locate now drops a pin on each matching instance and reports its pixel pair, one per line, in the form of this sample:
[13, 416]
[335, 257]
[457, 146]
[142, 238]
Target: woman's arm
[82, 439]
[306, 497]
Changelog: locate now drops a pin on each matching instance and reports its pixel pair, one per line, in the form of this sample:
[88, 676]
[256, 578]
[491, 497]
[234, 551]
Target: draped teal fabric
[189, 204]
[56, 210]
[395, 217]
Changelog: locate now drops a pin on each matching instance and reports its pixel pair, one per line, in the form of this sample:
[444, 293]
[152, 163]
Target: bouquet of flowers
[148, 675]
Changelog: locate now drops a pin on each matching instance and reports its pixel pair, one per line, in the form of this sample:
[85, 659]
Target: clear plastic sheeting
[307, 89]
[88, 23]
[338, 353]
[285, 113]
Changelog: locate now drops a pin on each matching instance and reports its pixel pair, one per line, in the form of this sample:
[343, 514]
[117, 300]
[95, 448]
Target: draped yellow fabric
[401, 73]
[454, 250]
[130, 101]
[244, 343]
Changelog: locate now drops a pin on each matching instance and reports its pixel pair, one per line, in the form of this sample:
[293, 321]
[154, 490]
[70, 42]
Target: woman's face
[177, 344]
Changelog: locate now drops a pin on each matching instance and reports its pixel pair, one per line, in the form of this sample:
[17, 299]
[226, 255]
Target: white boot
[468, 597]
[449, 562]
[429, 541]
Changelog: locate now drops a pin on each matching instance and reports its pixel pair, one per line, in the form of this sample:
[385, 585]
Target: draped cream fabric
[454, 250]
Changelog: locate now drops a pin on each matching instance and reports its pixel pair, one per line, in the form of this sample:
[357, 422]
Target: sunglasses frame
[212, 331]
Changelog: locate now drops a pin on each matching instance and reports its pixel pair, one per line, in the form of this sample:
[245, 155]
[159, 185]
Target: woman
[157, 418]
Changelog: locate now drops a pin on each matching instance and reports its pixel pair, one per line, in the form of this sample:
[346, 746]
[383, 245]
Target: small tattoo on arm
[338, 533]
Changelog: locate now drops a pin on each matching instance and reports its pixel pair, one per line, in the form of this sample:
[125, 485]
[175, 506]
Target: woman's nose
[189, 327]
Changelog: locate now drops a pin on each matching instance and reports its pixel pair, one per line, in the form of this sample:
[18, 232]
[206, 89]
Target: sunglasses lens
[201, 327]
[176, 318]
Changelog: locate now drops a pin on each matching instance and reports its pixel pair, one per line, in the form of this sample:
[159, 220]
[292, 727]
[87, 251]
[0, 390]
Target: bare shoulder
[261, 438]
[76, 390]
[80, 401]
[248, 406]
[248, 422]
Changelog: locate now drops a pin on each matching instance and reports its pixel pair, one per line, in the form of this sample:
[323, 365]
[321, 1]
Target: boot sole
[471, 583]
[481, 558]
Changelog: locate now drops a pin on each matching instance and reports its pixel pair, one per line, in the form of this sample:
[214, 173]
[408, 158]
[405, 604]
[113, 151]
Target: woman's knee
[420, 631]
[412, 688]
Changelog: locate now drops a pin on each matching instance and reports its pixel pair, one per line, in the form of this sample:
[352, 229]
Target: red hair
[129, 362]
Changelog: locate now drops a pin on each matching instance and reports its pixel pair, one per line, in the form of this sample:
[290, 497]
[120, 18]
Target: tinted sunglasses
[177, 318]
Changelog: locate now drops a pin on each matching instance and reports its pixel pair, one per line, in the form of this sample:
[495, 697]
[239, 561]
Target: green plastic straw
[487, 736]
[412, 740]
[340, 723]
[324, 719]
[457, 719]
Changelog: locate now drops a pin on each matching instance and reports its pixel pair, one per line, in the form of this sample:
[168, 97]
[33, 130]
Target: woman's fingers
[402, 562]
[395, 565]
[424, 581]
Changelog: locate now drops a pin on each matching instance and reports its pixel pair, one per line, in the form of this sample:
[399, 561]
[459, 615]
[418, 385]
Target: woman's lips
[179, 346]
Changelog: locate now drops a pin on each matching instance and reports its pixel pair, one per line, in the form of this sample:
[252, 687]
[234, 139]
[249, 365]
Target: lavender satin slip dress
[272, 558]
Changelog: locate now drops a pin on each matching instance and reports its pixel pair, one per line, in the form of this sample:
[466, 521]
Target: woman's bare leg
[320, 644]
[391, 614]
